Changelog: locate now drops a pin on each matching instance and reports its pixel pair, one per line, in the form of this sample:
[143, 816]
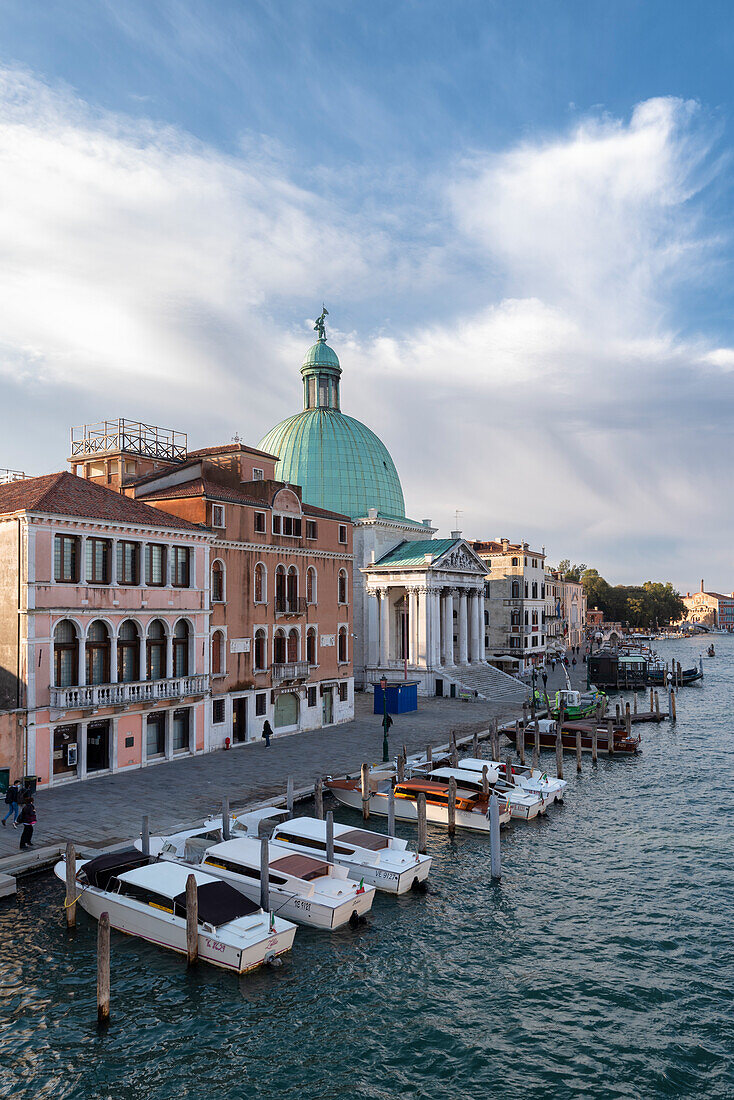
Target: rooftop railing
[131, 437]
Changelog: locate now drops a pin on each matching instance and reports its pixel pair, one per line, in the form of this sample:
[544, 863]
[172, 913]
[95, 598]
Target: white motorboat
[523, 776]
[523, 805]
[384, 861]
[303, 888]
[147, 899]
[472, 808]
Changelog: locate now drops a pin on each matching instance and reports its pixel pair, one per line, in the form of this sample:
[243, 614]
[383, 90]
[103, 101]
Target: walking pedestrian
[27, 819]
[12, 800]
[573, 662]
[267, 733]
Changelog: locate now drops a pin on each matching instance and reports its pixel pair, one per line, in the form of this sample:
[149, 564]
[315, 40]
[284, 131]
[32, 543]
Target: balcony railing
[113, 695]
[291, 670]
[290, 605]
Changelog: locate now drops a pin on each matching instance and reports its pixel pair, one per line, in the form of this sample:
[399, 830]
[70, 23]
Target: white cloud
[145, 274]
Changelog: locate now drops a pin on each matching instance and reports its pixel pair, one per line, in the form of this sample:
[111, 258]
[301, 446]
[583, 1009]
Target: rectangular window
[181, 730]
[98, 561]
[127, 562]
[312, 697]
[260, 523]
[312, 529]
[287, 525]
[343, 692]
[155, 564]
[218, 711]
[180, 566]
[342, 533]
[218, 515]
[257, 475]
[276, 525]
[261, 704]
[66, 558]
[155, 735]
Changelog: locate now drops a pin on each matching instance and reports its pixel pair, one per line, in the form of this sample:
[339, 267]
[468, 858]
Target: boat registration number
[386, 874]
[215, 946]
[305, 905]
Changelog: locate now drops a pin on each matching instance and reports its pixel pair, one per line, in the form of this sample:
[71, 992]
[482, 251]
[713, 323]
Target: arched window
[526, 589]
[515, 618]
[311, 645]
[516, 590]
[181, 648]
[261, 583]
[535, 590]
[217, 653]
[66, 654]
[260, 639]
[515, 561]
[486, 618]
[280, 600]
[342, 646]
[98, 653]
[535, 618]
[311, 595]
[279, 647]
[292, 588]
[342, 586]
[128, 653]
[293, 640]
[156, 650]
[542, 591]
[217, 582]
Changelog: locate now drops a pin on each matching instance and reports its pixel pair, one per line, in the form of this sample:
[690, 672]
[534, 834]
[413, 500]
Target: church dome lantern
[339, 462]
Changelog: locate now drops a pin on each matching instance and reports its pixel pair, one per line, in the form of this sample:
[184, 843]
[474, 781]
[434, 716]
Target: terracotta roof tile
[64, 494]
[230, 448]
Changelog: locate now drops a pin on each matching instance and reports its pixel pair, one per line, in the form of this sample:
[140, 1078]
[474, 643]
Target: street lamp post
[385, 721]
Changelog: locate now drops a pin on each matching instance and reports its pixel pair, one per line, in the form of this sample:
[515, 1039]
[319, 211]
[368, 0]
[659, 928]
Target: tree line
[648, 605]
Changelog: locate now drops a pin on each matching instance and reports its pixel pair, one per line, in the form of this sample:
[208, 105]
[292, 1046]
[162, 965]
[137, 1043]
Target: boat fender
[419, 887]
[271, 959]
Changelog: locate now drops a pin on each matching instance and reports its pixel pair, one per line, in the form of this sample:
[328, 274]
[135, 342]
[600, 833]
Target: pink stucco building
[104, 628]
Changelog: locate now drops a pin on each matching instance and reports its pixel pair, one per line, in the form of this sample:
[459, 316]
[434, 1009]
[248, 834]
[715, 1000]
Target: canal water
[601, 966]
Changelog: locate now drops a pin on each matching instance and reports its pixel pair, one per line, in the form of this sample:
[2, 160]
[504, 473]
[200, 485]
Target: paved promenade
[109, 809]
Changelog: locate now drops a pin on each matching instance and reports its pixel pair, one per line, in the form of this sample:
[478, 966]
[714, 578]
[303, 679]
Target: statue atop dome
[320, 327]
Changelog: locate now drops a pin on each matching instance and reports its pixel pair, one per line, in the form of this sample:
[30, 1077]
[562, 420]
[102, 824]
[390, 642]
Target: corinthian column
[448, 627]
[463, 633]
[384, 628]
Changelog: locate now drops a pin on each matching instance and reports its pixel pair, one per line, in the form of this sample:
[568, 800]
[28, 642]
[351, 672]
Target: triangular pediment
[460, 558]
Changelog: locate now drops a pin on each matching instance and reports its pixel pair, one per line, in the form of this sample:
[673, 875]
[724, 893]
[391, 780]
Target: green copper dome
[339, 463]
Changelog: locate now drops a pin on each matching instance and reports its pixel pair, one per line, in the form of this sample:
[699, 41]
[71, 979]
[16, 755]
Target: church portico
[424, 604]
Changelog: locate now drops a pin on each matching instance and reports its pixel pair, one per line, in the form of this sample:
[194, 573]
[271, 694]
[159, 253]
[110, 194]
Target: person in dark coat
[27, 819]
[12, 801]
[267, 733]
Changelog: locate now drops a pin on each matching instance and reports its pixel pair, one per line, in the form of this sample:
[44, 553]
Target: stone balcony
[116, 695]
[290, 670]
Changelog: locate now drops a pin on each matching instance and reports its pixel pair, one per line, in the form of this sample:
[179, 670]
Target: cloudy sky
[518, 214]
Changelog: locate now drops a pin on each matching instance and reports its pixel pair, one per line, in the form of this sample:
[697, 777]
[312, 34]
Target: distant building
[712, 609]
[574, 612]
[515, 603]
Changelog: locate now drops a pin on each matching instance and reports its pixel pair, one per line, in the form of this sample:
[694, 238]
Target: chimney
[505, 545]
[456, 534]
[702, 584]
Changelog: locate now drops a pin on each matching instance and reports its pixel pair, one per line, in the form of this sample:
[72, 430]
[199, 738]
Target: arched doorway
[286, 710]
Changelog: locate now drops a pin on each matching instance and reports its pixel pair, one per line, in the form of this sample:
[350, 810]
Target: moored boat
[523, 776]
[523, 805]
[147, 899]
[547, 735]
[472, 808]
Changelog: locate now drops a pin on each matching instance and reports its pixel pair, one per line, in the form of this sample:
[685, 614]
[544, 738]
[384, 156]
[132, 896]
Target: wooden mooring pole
[657, 706]
[634, 697]
[391, 812]
[289, 796]
[627, 720]
[429, 754]
[71, 890]
[495, 857]
[520, 742]
[485, 780]
[192, 920]
[225, 819]
[329, 836]
[145, 837]
[673, 716]
[103, 970]
[475, 744]
[559, 749]
[610, 737]
[452, 806]
[366, 792]
[318, 799]
[578, 750]
[594, 742]
[265, 875]
[422, 829]
[652, 707]
[401, 769]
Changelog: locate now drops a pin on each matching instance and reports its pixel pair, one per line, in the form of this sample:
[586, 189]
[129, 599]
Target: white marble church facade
[423, 612]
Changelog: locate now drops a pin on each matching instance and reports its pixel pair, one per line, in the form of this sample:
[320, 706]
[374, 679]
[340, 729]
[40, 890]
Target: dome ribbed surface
[338, 462]
[321, 355]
